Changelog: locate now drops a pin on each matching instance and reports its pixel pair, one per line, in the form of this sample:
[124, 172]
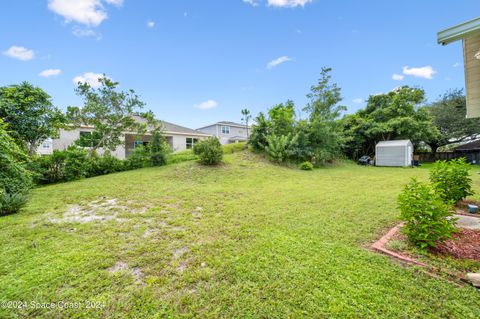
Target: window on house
[46, 144]
[240, 131]
[85, 134]
[140, 143]
[87, 139]
[190, 141]
[225, 129]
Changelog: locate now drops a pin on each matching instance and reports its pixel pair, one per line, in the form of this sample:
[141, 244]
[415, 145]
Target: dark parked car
[364, 160]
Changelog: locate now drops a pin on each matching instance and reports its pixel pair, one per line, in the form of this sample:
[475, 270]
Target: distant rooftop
[224, 123]
[171, 128]
[472, 146]
[174, 128]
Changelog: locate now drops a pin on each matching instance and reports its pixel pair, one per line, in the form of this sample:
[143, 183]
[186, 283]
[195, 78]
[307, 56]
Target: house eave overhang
[458, 31]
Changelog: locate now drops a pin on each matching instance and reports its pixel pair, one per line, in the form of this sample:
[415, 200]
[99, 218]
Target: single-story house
[470, 151]
[394, 153]
[227, 132]
[178, 137]
[469, 33]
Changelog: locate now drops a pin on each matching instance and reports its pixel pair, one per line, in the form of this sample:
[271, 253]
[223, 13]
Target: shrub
[139, 158]
[158, 150]
[427, 217]
[76, 163]
[12, 203]
[105, 164]
[48, 169]
[277, 149]
[14, 177]
[306, 166]
[210, 151]
[233, 148]
[451, 179]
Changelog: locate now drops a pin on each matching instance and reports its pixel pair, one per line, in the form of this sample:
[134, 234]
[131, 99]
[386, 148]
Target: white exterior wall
[179, 141]
[401, 155]
[68, 137]
[46, 147]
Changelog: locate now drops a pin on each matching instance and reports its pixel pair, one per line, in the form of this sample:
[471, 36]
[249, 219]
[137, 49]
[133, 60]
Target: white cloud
[398, 77]
[85, 33]
[358, 100]
[88, 12]
[150, 24]
[278, 61]
[117, 3]
[288, 3]
[425, 72]
[19, 53]
[456, 65]
[90, 78]
[50, 72]
[210, 104]
[253, 3]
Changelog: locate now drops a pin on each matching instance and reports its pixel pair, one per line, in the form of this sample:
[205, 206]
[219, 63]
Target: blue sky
[199, 61]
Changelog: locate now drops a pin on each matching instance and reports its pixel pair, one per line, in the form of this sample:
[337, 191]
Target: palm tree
[246, 118]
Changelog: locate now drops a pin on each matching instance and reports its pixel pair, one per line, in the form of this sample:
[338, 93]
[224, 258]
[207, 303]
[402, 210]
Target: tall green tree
[449, 116]
[30, 115]
[110, 112]
[323, 110]
[246, 119]
[394, 115]
[282, 118]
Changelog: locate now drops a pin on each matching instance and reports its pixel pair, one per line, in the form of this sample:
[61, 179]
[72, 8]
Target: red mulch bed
[465, 244]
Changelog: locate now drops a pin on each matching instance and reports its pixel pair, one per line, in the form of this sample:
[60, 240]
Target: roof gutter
[458, 32]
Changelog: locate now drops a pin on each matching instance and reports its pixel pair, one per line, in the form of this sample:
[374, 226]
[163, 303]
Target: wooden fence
[432, 157]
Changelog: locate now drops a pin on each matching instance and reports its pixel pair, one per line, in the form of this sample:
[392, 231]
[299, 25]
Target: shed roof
[458, 31]
[394, 143]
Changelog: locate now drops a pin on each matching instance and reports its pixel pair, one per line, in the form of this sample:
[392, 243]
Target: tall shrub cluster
[283, 137]
[15, 180]
[426, 208]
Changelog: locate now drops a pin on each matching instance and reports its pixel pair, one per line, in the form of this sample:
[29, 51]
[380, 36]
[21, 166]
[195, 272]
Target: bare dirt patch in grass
[179, 254]
[123, 267]
[102, 210]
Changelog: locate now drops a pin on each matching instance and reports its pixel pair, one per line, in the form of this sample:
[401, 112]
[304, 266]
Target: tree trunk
[32, 149]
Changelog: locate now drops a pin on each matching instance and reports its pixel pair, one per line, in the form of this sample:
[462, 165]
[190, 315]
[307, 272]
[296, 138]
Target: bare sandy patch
[123, 267]
[100, 210]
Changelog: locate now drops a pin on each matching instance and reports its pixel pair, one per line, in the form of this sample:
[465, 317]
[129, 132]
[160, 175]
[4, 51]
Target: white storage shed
[394, 153]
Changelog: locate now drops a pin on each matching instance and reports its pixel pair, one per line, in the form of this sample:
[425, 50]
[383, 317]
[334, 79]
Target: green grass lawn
[244, 240]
